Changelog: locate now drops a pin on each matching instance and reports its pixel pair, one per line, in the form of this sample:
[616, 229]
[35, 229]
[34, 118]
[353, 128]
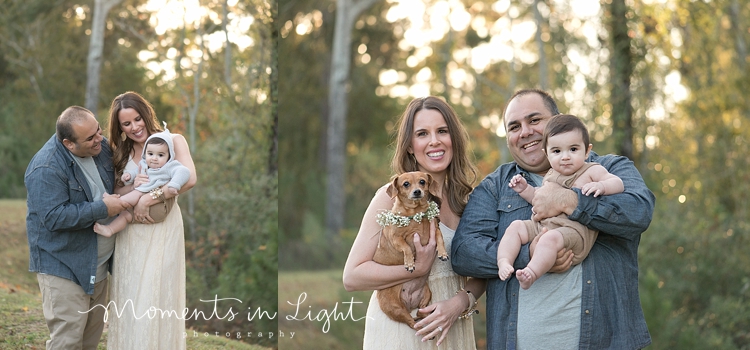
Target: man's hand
[564, 256]
[551, 200]
[114, 204]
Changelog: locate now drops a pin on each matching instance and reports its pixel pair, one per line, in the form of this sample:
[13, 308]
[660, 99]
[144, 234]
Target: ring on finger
[440, 329]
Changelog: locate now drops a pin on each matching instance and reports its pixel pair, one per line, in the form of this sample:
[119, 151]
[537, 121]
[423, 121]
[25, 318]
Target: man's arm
[49, 196]
[474, 247]
[625, 214]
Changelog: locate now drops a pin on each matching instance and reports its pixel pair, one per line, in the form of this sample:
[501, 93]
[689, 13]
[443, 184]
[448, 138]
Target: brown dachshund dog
[411, 213]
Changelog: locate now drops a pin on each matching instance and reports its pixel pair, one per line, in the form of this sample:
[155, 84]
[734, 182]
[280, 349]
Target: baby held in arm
[566, 144]
[162, 169]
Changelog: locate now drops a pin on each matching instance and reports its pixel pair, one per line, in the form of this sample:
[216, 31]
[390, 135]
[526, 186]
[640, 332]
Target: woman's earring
[123, 136]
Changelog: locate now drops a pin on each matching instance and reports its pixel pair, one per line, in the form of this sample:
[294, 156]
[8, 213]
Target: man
[66, 183]
[594, 305]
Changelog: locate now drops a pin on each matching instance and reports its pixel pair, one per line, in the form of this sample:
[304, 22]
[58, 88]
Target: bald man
[67, 184]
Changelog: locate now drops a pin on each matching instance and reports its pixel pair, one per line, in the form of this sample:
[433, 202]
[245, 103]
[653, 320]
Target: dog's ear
[392, 189]
[433, 185]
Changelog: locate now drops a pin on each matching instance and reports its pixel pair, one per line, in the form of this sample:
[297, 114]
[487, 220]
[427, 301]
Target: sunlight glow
[507, 34]
[419, 90]
[171, 14]
[167, 15]
[674, 88]
[585, 8]
[388, 77]
[522, 32]
[424, 75]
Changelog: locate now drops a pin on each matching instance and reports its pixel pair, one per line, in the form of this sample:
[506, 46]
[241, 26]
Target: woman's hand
[411, 291]
[440, 317]
[425, 254]
[141, 212]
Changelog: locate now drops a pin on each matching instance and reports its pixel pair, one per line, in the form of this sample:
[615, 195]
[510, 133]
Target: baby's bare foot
[103, 230]
[526, 277]
[504, 269]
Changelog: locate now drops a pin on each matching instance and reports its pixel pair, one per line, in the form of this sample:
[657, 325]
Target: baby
[159, 164]
[566, 143]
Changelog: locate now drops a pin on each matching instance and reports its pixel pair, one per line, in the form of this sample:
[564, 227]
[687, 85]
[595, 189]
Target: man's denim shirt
[611, 314]
[62, 212]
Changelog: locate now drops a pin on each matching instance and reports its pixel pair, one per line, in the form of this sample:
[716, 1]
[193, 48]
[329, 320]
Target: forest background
[207, 67]
[662, 81]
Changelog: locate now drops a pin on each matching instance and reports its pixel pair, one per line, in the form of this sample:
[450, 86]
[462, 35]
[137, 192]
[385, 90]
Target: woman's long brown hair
[461, 172]
[121, 148]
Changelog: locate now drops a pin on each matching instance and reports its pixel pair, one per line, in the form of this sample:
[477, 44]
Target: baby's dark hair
[563, 123]
[157, 141]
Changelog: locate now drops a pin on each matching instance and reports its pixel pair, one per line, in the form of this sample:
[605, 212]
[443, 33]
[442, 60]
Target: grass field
[22, 324]
[325, 291]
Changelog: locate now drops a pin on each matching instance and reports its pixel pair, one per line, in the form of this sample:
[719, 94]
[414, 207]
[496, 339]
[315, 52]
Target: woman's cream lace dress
[148, 272]
[383, 333]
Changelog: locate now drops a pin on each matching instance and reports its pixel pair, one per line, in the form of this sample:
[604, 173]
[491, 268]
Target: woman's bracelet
[157, 193]
[472, 309]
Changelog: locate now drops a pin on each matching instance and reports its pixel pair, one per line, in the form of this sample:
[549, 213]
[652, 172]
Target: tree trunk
[227, 47]
[347, 12]
[621, 69]
[735, 17]
[273, 154]
[96, 48]
[512, 64]
[543, 84]
[191, 128]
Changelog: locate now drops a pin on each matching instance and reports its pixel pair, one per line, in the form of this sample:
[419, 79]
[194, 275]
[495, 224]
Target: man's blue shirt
[611, 313]
[61, 213]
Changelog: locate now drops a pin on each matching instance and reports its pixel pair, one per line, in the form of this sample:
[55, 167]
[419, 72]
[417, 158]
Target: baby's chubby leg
[507, 251]
[544, 258]
[117, 225]
[132, 197]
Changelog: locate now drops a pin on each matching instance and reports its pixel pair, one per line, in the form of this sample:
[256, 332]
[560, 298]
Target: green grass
[22, 324]
[324, 290]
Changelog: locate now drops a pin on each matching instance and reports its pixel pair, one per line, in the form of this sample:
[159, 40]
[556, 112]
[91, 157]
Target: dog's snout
[417, 193]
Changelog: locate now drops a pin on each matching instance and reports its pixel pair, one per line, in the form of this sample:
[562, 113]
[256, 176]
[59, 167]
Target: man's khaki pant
[62, 300]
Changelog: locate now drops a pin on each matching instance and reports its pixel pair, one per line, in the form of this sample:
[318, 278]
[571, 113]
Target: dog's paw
[443, 257]
[409, 268]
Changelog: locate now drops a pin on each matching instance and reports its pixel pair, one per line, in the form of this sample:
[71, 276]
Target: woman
[149, 260]
[430, 139]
